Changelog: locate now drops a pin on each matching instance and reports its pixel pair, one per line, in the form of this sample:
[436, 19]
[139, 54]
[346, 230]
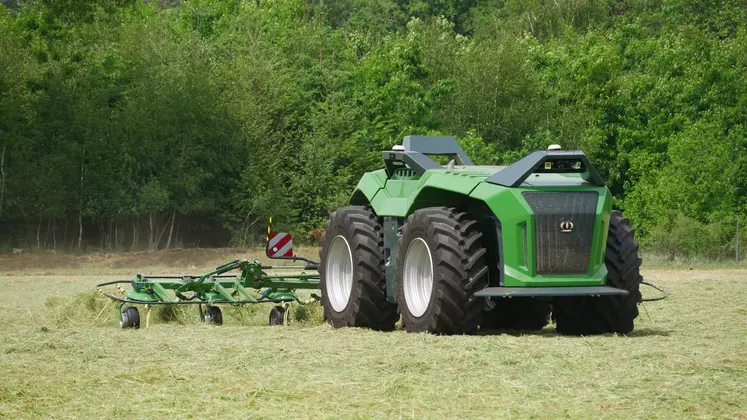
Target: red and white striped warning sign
[280, 245]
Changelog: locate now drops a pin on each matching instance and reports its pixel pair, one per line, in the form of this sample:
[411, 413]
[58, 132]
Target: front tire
[607, 314]
[351, 270]
[440, 266]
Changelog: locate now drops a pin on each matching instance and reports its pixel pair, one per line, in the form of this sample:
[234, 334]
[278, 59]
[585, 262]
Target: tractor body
[542, 224]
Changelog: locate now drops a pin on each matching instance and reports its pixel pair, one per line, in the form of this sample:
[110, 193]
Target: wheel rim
[418, 277]
[123, 319]
[339, 273]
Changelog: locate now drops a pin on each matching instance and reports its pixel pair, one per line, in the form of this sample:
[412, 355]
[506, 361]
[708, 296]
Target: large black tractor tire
[352, 277]
[526, 314]
[440, 266]
[607, 314]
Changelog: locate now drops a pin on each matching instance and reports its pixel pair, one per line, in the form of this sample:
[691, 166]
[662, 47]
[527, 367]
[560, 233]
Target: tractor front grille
[564, 227]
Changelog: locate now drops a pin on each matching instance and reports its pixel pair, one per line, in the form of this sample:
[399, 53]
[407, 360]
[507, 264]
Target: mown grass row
[63, 355]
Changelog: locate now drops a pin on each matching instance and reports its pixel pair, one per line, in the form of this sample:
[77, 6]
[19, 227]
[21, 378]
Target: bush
[679, 236]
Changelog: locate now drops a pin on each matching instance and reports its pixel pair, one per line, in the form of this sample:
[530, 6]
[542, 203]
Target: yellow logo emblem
[566, 226]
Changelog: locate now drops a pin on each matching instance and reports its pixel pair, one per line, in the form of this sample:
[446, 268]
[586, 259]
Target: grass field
[63, 355]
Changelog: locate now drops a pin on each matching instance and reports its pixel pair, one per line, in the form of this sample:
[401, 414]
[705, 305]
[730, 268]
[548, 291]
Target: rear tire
[440, 266]
[517, 314]
[351, 271]
[607, 314]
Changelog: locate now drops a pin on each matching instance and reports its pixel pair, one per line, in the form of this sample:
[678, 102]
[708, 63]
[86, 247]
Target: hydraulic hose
[664, 293]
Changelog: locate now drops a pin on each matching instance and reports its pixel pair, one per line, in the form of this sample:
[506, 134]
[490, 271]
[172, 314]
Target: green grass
[63, 355]
[651, 260]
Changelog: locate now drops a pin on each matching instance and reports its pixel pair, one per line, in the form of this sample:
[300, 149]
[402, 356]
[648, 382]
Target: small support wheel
[130, 318]
[277, 315]
[213, 315]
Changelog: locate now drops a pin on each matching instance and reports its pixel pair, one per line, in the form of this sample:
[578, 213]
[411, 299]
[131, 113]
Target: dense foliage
[129, 124]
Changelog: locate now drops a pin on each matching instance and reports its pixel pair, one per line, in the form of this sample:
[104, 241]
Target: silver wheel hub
[339, 273]
[418, 277]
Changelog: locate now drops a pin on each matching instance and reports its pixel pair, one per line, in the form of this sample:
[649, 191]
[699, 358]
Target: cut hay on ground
[63, 355]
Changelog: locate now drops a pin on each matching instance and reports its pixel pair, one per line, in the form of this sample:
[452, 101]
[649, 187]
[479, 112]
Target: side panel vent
[564, 228]
[526, 251]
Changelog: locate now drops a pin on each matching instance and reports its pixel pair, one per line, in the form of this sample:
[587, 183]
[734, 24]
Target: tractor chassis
[508, 292]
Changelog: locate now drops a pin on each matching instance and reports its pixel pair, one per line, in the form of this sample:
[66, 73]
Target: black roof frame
[417, 149]
[514, 175]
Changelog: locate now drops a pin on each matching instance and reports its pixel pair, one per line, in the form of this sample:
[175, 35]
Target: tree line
[132, 124]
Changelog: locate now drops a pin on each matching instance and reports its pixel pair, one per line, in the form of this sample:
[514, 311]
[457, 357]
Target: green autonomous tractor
[457, 247]
[448, 249]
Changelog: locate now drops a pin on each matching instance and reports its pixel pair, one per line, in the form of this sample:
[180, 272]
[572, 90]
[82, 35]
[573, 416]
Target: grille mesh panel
[560, 252]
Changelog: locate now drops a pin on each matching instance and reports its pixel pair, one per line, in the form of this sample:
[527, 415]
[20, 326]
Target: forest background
[129, 125]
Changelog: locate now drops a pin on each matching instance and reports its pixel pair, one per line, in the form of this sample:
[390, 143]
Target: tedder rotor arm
[219, 288]
[250, 285]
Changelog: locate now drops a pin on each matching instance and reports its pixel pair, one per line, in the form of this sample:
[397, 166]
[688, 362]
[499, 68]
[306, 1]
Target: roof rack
[415, 150]
[551, 161]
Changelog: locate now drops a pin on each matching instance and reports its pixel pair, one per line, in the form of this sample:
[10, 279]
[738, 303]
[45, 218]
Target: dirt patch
[695, 274]
[186, 258]
[205, 259]
[172, 258]
[45, 260]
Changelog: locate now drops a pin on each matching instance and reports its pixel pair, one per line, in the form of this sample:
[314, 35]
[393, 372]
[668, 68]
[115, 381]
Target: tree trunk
[171, 230]
[46, 233]
[80, 198]
[80, 225]
[38, 228]
[134, 234]
[176, 235]
[2, 174]
[160, 235]
[54, 234]
[151, 236]
[109, 235]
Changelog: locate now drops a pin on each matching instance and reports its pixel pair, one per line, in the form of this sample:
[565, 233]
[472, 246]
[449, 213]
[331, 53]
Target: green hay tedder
[249, 284]
[448, 249]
